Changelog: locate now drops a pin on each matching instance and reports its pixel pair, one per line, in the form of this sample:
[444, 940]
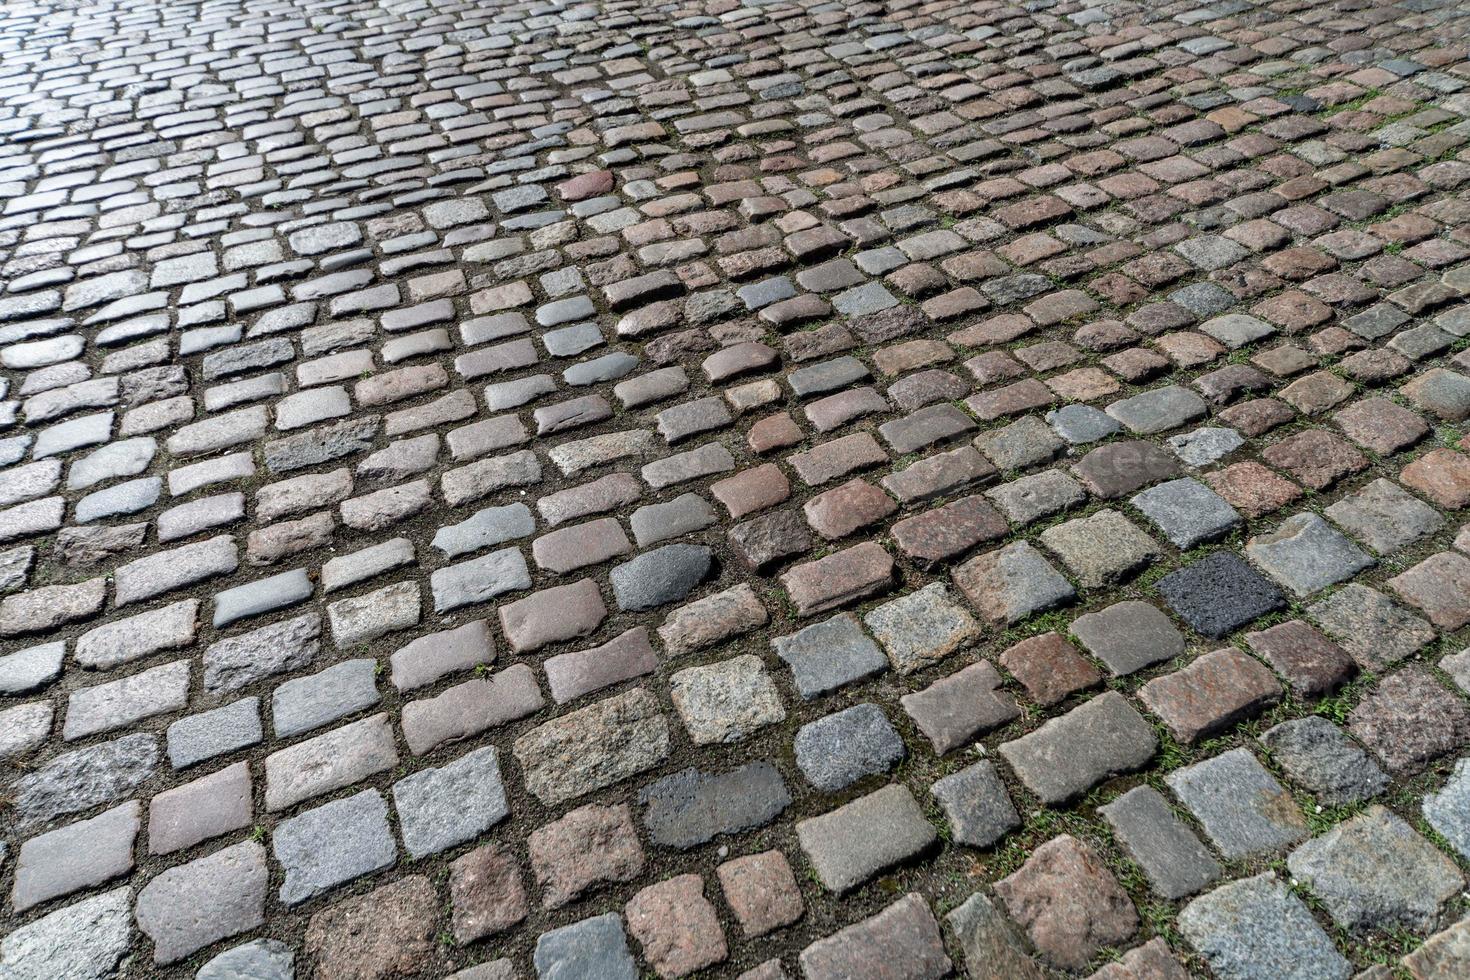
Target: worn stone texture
[421, 424]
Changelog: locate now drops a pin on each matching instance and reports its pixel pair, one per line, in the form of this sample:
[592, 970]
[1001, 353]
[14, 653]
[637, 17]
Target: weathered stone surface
[1068, 903]
[191, 906]
[1374, 872]
[387, 932]
[1173, 858]
[849, 845]
[691, 807]
[1256, 928]
[593, 747]
[1243, 810]
[904, 935]
[1070, 754]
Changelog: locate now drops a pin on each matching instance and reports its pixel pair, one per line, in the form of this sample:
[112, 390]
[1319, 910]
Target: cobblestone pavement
[737, 487]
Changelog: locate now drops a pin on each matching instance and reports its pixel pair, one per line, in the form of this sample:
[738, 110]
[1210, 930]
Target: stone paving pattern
[748, 488]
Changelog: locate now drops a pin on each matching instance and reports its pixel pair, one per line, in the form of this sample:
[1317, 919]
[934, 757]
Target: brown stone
[1050, 668]
[854, 573]
[762, 892]
[389, 932]
[842, 510]
[1253, 489]
[1316, 458]
[1442, 475]
[590, 846]
[677, 926]
[752, 490]
[1210, 694]
[487, 894]
[1068, 903]
[1380, 426]
[1311, 663]
[949, 530]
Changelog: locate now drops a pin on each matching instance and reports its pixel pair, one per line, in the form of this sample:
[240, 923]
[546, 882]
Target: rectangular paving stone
[319, 765]
[852, 843]
[1072, 753]
[606, 743]
[1174, 859]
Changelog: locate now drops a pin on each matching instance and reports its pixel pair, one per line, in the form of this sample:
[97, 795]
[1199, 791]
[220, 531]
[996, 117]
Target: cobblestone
[690, 412]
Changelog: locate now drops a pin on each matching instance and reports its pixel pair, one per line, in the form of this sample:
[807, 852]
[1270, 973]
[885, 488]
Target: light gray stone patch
[261, 596]
[127, 457]
[838, 750]
[1070, 754]
[1319, 757]
[81, 779]
[595, 947]
[305, 703]
[1176, 862]
[87, 940]
[850, 844]
[479, 579]
[32, 668]
[1205, 445]
[1158, 410]
[280, 648]
[1385, 517]
[362, 619]
[333, 844]
[76, 856]
[24, 727]
[330, 761]
[105, 707]
[489, 527]
[359, 566]
[259, 959]
[1256, 929]
[1373, 872]
[439, 808]
[1243, 810]
[829, 654]
[174, 569]
[1448, 811]
[199, 810]
[213, 733]
[194, 905]
[188, 519]
[1306, 554]
[976, 804]
[1187, 512]
[123, 498]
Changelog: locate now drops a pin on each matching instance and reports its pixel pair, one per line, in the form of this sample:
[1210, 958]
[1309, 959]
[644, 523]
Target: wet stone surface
[734, 488]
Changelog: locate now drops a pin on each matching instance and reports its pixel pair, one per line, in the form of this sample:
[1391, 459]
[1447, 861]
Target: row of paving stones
[619, 218]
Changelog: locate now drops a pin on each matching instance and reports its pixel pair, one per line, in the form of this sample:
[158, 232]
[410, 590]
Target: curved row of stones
[507, 489]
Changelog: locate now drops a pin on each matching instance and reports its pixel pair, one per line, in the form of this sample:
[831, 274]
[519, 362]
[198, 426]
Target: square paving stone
[1068, 903]
[762, 892]
[839, 749]
[439, 808]
[1243, 810]
[852, 843]
[976, 804]
[921, 628]
[725, 702]
[1101, 549]
[1176, 862]
[955, 708]
[1373, 872]
[829, 654]
[1311, 663]
[1219, 594]
[1256, 929]
[1320, 758]
[595, 947]
[1439, 586]
[1159, 410]
[332, 844]
[1121, 468]
[1011, 583]
[1385, 517]
[1306, 554]
[1188, 512]
[1128, 636]
[903, 933]
[1050, 668]
[1448, 811]
[1409, 719]
[1375, 631]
